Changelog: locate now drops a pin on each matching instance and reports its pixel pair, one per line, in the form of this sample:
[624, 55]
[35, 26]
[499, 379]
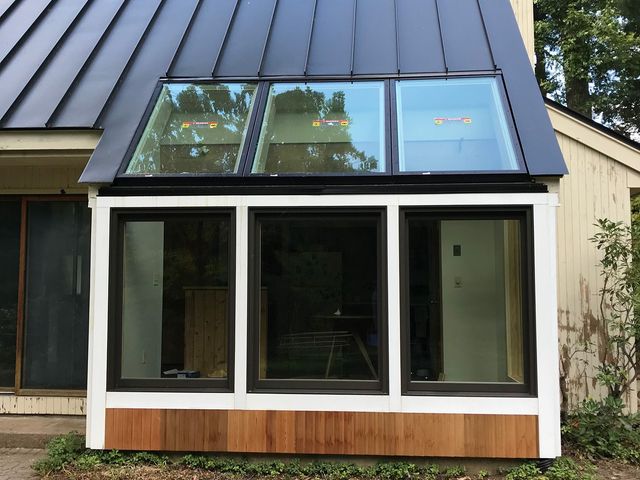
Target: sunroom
[329, 231]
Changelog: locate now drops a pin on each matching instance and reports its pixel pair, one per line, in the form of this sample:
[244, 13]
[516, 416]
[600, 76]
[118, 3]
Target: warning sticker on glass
[330, 123]
[199, 124]
[443, 120]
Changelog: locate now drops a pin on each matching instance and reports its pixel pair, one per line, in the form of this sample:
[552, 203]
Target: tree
[588, 57]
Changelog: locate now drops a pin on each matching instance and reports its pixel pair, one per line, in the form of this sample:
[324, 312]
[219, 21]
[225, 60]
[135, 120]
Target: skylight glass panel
[195, 129]
[322, 128]
[453, 125]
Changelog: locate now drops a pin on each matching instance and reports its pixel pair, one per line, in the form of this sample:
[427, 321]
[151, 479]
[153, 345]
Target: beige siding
[40, 179]
[524, 15]
[42, 405]
[596, 187]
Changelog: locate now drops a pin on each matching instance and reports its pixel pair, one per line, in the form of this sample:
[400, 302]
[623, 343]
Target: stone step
[34, 431]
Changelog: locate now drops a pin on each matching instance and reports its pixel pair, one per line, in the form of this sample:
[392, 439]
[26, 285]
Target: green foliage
[600, 428]
[619, 245]
[61, 451]
[588, 54]
[525, 471]
[567, 469]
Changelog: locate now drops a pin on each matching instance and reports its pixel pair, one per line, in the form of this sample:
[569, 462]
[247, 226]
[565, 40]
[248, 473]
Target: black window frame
[387, 113]
[144, 121]
[115, 382]
[392, 173]
[311, 386]
[509, 119]
[524, 214]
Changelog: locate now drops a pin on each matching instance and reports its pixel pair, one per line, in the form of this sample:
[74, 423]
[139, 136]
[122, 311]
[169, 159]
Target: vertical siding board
[596, 187]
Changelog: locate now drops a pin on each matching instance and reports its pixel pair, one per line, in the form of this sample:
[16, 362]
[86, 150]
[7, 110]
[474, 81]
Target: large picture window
[195, 129]
[322, 128]
[175, 300]
[453, 125]
[317, 301]
[465, 305]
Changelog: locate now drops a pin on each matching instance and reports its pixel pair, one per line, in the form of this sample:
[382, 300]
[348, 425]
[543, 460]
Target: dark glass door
[9, 272]
[56, 295]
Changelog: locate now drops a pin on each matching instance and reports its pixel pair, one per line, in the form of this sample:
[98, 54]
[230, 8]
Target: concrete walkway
[34, 431]
[15, 463]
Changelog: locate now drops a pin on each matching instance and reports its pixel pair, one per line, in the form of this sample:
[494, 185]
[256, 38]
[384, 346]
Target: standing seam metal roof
[95, 64]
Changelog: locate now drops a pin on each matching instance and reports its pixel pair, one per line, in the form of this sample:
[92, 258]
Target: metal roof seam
[486, 35]
[134, 53]
[444, 51]
[312, 24]
[8, 11]
[224, 38]
[395, 18]
[266, 38]
[78, 76]
[353, 33]
[7, 114]
[45, 11]
[185, 34]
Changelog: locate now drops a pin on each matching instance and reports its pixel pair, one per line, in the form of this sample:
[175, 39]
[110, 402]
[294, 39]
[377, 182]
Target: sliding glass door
[44, 293]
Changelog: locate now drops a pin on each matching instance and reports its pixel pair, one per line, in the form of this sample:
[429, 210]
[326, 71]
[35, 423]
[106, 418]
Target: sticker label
[330, 123]
[199, 124]
[443, 120]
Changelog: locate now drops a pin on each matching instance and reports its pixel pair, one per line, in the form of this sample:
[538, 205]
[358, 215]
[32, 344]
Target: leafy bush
[526, 471]
[567, 469]
[600, 428]
[61, 451]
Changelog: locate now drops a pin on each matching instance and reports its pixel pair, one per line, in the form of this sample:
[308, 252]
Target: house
[296, 229]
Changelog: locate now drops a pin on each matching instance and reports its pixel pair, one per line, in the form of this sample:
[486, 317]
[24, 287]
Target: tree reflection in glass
[322, 128]
[195, 128]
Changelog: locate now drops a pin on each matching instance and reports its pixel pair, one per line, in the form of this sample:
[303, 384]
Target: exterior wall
[27, 405]
[39, 163]
[40, 180]
[119, 418]
[597, 187]
[523, 10]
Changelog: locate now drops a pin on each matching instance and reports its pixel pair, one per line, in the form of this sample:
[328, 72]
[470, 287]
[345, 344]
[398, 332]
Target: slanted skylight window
[453, 125]
[322, 128]
[195, 129]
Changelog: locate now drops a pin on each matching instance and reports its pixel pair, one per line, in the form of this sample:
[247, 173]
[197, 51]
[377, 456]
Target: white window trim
[546, 405]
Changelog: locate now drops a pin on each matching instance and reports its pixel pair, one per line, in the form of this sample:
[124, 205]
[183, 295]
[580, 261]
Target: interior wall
[473, 300]
[142, 300]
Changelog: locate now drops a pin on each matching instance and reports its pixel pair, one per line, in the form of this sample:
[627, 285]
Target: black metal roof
[95, 64]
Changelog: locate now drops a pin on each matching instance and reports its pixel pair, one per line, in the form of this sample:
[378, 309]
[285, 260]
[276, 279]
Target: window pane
[465, 300]
[322, 128]
[9, 258]
[453, 125]
[57, 295]
[175, 298]
[320, 294]
[195, 129]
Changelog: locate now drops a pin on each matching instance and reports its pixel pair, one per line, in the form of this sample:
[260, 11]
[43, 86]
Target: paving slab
[34, 431]
[15, 463]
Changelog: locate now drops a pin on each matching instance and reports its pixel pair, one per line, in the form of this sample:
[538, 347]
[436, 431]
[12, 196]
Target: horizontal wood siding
[335, 433]
[42, 405]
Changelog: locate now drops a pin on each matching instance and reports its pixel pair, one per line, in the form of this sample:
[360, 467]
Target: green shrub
[454, 472]
[567, 469]
[61, 451]
[526, 471]
[600, 428]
